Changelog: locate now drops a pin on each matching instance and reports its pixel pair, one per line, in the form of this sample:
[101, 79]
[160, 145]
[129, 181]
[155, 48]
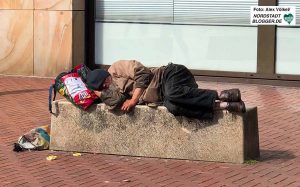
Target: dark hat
[96, 78]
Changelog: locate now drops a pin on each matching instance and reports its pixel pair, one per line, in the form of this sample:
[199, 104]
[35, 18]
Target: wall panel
[59, 4]
[16, 46]
[16, 4]
[52, 42]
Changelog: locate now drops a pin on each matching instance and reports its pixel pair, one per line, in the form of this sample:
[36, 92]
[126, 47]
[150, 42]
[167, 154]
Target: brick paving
[279, 130]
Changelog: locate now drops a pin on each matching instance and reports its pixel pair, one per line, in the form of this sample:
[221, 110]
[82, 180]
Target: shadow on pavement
[268, 155]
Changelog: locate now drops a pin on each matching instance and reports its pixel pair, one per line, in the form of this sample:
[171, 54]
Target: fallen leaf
[76, 154]
[51, 157]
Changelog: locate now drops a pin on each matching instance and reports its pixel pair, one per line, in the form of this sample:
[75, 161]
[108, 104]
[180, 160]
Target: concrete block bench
[151, 132]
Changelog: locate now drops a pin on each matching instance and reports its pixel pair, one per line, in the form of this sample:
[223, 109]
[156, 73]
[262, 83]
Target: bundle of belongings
[36, 139]
[72, 86]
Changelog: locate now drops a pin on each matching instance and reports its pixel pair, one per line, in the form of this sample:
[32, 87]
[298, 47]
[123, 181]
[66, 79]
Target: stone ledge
[149, 132]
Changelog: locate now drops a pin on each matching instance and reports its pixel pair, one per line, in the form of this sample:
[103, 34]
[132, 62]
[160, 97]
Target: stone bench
[151, 132]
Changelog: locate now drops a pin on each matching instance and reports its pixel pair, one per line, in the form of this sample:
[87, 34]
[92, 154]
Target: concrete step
[154, 132]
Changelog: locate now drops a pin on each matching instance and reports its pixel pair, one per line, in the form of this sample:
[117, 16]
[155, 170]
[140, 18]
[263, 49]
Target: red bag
[78, 91]
[71, 85]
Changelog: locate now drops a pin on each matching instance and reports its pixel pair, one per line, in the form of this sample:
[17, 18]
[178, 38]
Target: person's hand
[128, 105]
[98, 93]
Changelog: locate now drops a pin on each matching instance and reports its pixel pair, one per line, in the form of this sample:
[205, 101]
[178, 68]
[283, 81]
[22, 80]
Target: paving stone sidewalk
[24, 105]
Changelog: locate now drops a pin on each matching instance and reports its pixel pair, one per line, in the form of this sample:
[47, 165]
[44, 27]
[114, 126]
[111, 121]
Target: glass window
[225, 48]
[288, 44]
[220, 12]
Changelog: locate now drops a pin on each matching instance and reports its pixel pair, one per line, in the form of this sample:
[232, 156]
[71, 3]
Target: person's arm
[97, 93]
[111, 97]
[130, 103]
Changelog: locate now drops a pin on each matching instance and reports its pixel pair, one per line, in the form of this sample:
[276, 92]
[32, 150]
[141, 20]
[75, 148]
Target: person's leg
[188, 111]
[230, 106]
[180, 87]
[185, 95]
[220, 105]
[181, 90]
[182, 96]
[176, 74]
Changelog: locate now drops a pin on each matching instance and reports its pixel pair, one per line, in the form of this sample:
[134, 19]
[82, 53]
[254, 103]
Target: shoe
[236, 107]
[231, 95]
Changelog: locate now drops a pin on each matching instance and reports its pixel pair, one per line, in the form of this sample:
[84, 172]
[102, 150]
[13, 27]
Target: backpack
[71, 85]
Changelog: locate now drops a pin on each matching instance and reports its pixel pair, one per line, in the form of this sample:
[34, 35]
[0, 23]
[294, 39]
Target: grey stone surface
[153, 133]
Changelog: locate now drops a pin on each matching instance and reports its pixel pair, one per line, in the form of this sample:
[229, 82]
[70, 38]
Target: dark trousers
[181, 94]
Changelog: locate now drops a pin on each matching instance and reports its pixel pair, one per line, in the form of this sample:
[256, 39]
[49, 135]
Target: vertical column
[266, 49]
[58, 36]
[16, 36]
[90, 33]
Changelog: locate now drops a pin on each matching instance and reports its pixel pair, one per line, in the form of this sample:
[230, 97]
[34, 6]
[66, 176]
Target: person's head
[98, 79]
